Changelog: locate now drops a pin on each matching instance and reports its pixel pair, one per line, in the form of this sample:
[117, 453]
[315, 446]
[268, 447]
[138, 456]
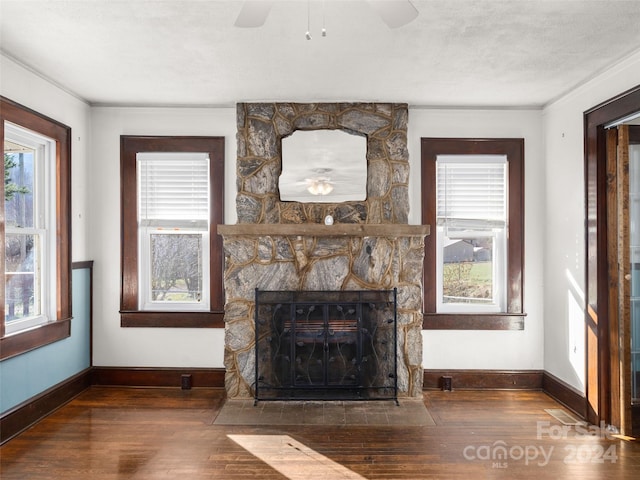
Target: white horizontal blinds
[471, 190]
[173, 189]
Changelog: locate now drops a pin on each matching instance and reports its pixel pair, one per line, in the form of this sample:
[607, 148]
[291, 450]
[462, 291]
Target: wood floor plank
[152, 433]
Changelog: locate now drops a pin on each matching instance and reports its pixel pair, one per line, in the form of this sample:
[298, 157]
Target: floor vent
[563, 417]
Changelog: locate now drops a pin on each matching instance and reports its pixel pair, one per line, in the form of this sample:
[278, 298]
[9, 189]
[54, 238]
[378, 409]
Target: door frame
[600, 341]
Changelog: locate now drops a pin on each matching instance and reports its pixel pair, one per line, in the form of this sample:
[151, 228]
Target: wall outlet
[185, 381]
[446, 382]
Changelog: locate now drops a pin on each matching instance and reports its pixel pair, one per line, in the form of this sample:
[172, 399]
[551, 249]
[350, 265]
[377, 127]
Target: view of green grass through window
[468, 275]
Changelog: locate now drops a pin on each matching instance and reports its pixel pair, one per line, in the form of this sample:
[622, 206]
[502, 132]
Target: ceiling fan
[395, 13]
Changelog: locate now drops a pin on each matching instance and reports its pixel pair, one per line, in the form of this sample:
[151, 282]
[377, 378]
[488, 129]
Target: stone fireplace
[326, 345]
[285, 246]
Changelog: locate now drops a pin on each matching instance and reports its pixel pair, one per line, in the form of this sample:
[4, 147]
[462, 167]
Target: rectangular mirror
[323, 166]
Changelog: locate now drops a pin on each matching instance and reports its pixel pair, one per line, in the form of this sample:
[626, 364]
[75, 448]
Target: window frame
[59, 327]
[41, 225]
[130, 313]
[513, 317]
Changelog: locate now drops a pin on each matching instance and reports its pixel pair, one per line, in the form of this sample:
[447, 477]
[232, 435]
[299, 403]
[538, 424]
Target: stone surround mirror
[261, 128]
[323, 166]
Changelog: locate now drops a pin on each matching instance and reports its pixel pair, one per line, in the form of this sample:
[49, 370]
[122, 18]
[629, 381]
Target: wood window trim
[130, 315]
[60, 328]
[513, 148]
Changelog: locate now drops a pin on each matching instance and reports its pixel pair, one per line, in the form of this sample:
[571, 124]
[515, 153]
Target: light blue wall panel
[31, 373]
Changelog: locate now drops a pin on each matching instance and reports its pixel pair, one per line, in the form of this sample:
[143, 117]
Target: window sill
[21, 342]
[473, 321]
[172, 319]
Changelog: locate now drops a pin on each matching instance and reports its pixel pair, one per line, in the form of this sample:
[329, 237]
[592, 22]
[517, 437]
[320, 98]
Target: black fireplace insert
[326, 345]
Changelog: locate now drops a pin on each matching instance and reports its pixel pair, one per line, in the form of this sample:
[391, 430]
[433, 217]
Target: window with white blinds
[471, 228]
[473, 198]
[471, 190]
[173, 189]
[173, 230]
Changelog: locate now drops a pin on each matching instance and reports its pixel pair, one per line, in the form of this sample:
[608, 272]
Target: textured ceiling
[188, 52]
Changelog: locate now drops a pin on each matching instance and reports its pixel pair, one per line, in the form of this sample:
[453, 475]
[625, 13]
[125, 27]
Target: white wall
[564, 213]
[22, 86]
[496, 350]
[145, 347]
[115, 346]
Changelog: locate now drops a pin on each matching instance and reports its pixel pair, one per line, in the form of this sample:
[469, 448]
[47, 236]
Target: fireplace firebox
[326, 345]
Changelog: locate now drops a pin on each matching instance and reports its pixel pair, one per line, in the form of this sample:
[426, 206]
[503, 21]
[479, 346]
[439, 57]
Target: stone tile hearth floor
[410, 412]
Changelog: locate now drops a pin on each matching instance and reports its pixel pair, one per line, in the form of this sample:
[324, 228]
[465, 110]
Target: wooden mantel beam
[319, 230]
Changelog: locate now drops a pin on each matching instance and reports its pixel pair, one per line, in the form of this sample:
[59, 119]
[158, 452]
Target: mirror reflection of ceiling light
[319, 186]
[336, 156]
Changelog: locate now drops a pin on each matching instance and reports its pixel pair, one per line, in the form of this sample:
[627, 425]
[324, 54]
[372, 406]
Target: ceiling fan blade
[395, 13]
[253, 13]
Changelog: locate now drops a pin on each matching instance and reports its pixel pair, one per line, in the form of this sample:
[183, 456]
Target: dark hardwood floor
[151, 433]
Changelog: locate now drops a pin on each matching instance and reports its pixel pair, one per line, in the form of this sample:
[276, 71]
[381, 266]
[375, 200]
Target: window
[472, 195]
[471, 229]
[173, 226]
[28, 210]
[172, 200]
[35, 230]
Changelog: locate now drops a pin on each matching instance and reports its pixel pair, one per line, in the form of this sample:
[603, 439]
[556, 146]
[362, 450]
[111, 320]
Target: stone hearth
[283, 245]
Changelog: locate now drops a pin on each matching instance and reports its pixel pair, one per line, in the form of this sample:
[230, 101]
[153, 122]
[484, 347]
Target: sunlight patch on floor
[293, 459]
